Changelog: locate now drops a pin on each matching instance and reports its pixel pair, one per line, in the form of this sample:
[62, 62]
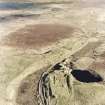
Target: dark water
[19, 6]
[86, 76]
[13, 5]
[17, 16]
[25, 5]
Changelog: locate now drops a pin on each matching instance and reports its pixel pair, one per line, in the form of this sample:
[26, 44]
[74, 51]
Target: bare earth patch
[27, 92]
[38, 35]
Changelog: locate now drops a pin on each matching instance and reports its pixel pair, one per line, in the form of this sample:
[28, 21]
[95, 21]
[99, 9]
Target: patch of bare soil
[39, 35]
[27, 92]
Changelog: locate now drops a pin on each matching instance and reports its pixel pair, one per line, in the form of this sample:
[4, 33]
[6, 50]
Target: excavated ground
[44, 87]
[32, 50]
